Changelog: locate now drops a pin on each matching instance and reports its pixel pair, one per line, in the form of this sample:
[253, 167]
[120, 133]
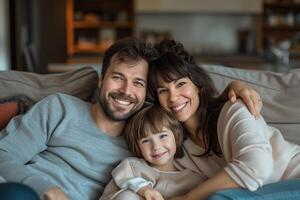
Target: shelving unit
[93, 25]
[280, 21]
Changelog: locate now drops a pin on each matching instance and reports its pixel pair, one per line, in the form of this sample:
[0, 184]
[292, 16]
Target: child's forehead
[159, 130]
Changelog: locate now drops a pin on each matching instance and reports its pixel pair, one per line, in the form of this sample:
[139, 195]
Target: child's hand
[150, 194]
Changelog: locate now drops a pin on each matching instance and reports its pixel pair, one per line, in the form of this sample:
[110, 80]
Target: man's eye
[139, 84]
[117, 78]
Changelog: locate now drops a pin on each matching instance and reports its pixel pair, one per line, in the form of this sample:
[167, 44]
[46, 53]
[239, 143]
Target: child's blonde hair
[151, 120]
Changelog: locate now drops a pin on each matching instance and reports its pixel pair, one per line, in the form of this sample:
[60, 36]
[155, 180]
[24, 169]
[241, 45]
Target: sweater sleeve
[245, 146]
[23, 138]
[125, 178]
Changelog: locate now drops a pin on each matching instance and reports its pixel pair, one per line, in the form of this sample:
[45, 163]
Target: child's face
[159, 149]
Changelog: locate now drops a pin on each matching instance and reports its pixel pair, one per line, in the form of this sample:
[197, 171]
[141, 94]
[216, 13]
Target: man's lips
[123, 99]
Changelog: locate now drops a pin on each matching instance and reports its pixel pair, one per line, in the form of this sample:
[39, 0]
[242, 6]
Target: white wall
[215, 6]
[200, 33]
[4, 35]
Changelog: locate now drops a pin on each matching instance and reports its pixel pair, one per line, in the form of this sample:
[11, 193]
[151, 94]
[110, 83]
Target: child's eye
[163, 136]
[144, 141]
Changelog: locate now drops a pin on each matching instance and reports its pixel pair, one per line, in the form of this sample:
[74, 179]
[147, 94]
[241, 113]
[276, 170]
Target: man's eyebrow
[141, 79]
[138, 79]
[118, 73]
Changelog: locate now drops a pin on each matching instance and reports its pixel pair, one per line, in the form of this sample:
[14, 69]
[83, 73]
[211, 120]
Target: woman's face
[180, 96]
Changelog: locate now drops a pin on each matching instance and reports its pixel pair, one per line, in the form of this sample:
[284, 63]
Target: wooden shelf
[281, 28]
[279, 21]
[96, 49]
[281, 6]
[84, 24]
[94, 25]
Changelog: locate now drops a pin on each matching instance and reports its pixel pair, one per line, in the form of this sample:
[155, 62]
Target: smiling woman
[225, 142]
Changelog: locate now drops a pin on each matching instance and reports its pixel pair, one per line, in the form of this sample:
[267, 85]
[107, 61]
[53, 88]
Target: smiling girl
[155, 137]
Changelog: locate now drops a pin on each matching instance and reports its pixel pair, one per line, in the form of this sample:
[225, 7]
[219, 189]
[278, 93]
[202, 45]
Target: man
[65, 148]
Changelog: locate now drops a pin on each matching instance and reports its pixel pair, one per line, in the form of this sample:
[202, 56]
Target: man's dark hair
[128, 50]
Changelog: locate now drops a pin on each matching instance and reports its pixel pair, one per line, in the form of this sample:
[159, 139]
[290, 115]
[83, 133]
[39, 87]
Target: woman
[225, 142]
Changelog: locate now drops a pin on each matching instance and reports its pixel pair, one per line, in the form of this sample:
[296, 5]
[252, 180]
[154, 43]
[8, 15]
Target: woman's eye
[180, 84]
[161, 91]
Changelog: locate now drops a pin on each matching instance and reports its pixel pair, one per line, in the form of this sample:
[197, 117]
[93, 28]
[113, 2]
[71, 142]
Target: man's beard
[104, 105]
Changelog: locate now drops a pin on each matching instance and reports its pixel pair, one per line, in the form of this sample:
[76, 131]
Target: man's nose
[125, 88]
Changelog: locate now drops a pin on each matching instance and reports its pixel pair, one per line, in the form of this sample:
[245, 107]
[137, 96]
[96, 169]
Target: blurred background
[47, 36]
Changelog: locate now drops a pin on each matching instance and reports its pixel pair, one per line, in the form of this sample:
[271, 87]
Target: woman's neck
[192, 126]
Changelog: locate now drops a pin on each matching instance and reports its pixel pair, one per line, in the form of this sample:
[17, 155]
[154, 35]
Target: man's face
[123, 88]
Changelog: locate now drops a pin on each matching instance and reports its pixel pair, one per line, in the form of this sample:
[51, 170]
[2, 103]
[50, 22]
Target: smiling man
[123, 88]
[65, 148]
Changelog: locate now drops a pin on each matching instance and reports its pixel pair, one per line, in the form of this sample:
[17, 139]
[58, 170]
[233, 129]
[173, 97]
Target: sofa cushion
[280, 94]
[12, 106]
[80, 83]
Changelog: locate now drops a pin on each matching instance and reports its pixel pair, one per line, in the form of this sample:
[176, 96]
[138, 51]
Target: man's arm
[25, 137]
[238, 89]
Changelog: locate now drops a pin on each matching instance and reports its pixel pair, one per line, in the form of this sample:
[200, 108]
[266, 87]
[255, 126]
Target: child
[155, 137]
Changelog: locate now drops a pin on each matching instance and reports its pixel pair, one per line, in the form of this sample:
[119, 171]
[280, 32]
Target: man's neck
[103, 122]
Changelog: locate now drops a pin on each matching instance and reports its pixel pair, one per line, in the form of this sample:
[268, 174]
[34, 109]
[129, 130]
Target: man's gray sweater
[57, 143]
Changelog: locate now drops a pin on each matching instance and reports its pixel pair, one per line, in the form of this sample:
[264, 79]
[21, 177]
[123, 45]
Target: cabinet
[93, 25]
[280, 21]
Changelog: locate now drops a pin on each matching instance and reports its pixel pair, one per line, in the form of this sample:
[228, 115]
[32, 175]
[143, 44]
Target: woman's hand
[238, 89]
[150, 194]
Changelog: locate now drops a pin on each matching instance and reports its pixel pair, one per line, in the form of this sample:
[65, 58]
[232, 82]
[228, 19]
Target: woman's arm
[238, 89]
[219, 181]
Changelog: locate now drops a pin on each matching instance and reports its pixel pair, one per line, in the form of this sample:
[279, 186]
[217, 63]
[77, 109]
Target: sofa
[280, 92]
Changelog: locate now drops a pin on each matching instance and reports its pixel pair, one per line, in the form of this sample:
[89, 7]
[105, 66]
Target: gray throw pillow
[80, 83]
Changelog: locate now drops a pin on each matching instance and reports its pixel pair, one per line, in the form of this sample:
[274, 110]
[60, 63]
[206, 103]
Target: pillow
[80, 83]
[12, 106]
[280, 94]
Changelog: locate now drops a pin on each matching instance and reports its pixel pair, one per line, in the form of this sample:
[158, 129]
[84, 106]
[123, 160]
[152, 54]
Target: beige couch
[280, 92]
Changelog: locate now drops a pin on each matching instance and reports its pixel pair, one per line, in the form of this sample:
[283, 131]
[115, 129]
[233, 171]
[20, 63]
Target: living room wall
[39, 33]
[4, 35]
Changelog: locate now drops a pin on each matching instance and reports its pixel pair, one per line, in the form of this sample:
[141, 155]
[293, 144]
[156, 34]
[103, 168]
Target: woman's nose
[173, 94]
